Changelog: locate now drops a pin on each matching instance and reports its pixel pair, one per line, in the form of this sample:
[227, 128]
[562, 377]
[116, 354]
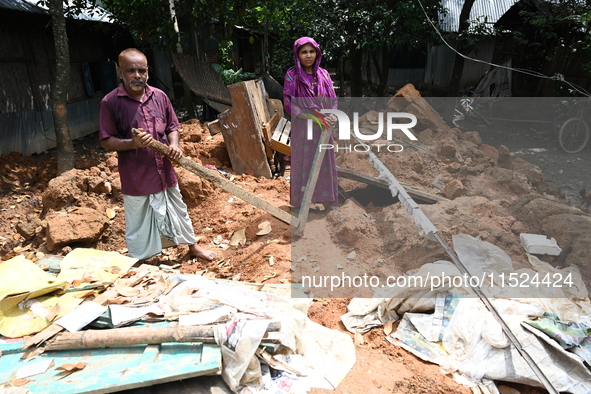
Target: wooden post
[222, 182]
[309, 191]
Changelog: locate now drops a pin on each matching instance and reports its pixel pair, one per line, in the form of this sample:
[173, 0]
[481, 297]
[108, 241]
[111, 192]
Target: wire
[532, 73]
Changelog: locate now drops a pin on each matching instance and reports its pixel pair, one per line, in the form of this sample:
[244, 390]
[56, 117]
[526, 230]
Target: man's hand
[175, 152]
[142, 140]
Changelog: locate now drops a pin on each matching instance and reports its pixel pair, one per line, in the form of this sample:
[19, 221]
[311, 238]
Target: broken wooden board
[280, 140]
[370, 180]
[242, 129]
[114, 369]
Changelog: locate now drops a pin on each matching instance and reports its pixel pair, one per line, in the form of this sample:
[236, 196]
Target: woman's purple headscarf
[304, 88]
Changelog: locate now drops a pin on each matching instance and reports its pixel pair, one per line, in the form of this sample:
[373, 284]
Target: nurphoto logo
[344, 125]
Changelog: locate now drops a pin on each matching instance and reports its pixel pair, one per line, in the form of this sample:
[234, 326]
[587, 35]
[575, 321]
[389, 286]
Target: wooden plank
[311, 185]
[242, 134]
[219, 181]
[214, 127]
[370, 180]
[281, 139]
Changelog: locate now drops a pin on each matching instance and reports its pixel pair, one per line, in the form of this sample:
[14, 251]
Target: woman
[308, 88]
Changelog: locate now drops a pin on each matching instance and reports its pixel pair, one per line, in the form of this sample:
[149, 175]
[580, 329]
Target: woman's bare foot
[198, 251]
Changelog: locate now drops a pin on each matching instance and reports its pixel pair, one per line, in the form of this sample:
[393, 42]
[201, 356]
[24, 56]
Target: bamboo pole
[222, 182]
[91, 339]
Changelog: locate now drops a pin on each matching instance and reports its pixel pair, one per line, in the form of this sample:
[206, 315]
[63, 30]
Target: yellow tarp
[20, 280]
[97, 263]
[32, 318]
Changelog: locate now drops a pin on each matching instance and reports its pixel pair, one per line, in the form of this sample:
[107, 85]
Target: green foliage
[230, 77]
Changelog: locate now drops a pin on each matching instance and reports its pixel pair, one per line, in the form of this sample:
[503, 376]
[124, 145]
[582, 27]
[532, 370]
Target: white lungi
[156, 221]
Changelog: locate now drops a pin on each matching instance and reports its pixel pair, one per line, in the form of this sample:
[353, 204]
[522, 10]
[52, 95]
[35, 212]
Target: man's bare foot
[198, 251]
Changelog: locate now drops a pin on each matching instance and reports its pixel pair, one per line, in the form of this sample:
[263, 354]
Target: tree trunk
[456, 76]
[356, 63]
[65, 147]
[384, 72]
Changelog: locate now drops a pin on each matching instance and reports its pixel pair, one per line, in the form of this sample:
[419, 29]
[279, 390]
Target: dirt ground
[490, 193]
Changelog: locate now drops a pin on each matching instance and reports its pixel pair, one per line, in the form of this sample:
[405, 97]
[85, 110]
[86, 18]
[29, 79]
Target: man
[155, 215]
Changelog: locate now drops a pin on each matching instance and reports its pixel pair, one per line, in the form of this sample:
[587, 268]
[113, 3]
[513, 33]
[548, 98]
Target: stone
[474, 137]
[28, 228]
[533, 173]
[454, 189]
[191, 186]
[501, 175]
[504, 160]
[453, 167]
[80, 226]
[448, 150]
[116, 188]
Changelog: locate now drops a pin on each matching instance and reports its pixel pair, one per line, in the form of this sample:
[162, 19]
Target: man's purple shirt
[143, 171]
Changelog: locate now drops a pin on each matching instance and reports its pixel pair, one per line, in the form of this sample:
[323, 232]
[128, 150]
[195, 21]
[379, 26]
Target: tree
[59, 91]
[464, 24]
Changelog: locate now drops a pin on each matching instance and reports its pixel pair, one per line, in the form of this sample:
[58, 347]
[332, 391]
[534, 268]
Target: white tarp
[473, 346]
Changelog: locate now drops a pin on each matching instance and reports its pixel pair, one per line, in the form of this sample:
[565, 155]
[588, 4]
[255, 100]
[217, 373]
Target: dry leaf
[30, 256]
[88, 278]
[111, 213]
[265, 228]
[76, 283]
[84, 294]
[128, 291]
[271, 261]
[19, 382]
[388, 327]
[358, 338]
[238, 238]
[69, 367]
[269, 276]
[53, 313]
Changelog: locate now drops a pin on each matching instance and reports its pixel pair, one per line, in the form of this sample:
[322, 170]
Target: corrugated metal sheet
[20, 5]
[98, 14]
[491, 9]
[32, 131]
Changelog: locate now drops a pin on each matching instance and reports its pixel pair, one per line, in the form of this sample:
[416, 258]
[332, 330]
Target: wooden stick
[91, 339]
[309, 191]
[221, 182]
[370, 180]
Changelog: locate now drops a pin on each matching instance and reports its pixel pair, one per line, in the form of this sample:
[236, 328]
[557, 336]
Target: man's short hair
[129, 51]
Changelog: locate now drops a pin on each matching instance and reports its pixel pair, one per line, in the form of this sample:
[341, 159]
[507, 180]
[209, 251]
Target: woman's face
[307, 55]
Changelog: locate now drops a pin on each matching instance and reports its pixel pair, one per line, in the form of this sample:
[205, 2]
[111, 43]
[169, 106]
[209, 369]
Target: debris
[264, 228]
[539, 244]
[238, 238]
[34, 369]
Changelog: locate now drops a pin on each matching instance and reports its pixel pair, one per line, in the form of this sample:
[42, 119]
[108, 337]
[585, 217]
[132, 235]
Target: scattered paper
[34, 369]
[82, 316]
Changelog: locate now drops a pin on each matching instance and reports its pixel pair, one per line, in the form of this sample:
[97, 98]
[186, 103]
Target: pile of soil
[489, 193]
